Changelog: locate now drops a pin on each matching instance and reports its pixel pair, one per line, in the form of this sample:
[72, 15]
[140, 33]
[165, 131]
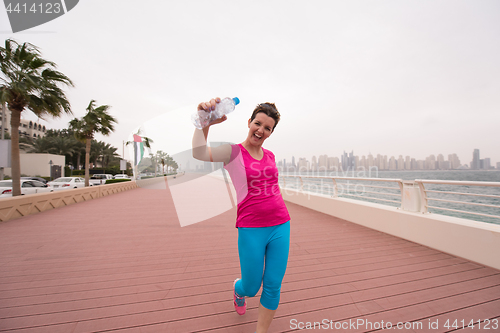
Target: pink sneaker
[240, 305]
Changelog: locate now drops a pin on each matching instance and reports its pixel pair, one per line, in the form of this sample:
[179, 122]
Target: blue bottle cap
[236, 101]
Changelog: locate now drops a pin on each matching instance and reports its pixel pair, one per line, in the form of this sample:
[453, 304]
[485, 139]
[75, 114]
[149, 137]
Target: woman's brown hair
[268, 109]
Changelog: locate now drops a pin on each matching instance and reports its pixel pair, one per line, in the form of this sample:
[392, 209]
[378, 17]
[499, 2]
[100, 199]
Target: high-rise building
[413, 164]
[303, 164]
[401, 163]
[475, 164]
[487, 163]
[333, 163]
[392, 163]
[323, 163]
[371, 162]
[408, 163]
[454, 161]
[420, 165]
[363, 163]
[352, 160]
[348, 162]
[441, 165]
[430, 162]
[381, 162]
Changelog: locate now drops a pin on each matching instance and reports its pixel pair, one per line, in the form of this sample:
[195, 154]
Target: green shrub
[109, 171]
[111, 181]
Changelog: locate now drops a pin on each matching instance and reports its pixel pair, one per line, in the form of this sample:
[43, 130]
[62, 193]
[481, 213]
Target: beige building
[27, 128]
[38, 164]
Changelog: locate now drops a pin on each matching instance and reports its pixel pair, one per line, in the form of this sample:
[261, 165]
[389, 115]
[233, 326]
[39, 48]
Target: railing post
[301, 184]
[423, 198]
[335, 191]
[400, 183]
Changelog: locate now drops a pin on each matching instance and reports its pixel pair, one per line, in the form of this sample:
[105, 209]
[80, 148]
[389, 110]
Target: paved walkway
[122, 263]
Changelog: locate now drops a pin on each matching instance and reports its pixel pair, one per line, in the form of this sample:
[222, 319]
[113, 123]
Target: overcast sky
[411, 77]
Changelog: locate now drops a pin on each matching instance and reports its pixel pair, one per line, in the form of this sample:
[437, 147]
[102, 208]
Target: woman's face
[260, 128]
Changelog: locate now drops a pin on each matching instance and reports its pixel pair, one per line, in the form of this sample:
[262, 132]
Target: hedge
[111, 181]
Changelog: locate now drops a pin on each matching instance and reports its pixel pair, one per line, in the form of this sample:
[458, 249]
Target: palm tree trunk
[78, 161]
[87, 161]
[15, 120]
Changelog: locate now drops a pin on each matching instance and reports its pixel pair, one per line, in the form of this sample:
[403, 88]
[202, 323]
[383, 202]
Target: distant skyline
[415, 77]
[403, 162]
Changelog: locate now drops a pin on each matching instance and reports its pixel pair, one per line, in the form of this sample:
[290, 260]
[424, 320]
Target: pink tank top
[260, 203]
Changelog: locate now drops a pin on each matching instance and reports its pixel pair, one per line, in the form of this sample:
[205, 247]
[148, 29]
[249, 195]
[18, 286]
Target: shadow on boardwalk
[122, 263]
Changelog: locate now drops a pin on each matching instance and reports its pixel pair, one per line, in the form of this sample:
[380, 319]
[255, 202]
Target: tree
[174, 166]
[29, 82]
[37, 146]
[162, 158]
[154, 162]
[109, 155]
[96, 151]
[97, 120]
[74, 149]
[62, 145]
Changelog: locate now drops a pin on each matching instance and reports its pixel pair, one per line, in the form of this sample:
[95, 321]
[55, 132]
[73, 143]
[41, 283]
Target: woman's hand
[209, 107]
[218, 121]
[200, 149]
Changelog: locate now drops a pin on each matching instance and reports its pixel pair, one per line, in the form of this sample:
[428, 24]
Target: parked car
[28, 186]
[121, 176]
[99, 179]
[67, 182]
[40, 179]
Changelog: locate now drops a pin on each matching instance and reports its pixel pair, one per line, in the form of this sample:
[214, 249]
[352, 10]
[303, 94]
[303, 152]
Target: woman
[263, 221]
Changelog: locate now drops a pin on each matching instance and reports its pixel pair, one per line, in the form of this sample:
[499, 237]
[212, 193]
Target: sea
[388, 193]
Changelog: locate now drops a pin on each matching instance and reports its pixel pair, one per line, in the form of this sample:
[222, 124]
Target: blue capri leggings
[263, 259]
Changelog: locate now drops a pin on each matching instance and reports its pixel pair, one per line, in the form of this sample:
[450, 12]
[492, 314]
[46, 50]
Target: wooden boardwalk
[122, 263]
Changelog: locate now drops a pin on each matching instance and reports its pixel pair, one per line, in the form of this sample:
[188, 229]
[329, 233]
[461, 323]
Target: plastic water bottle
[202, 118]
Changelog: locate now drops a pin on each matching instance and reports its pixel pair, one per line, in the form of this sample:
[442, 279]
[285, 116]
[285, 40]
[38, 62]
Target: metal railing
[464, 184]
[421, 198]
[345, 191]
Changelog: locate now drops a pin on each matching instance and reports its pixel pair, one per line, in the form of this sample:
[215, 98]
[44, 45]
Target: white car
[121, 176]
[28, 186]
[67, 182]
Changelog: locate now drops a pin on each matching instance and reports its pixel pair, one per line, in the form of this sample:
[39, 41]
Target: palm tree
[162, 158]
[29, 82]
[62, 145]
[109, 154]
[65, 143]
[174, 166]
[96, 151]
[37, 146]
[154, 162]
[169, 162]
[97, 120]
[79, 151]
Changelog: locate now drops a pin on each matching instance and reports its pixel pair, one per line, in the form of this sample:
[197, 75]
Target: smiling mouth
[257, 136]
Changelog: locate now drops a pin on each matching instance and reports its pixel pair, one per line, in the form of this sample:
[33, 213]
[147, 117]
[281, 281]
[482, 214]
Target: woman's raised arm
[200, 149]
